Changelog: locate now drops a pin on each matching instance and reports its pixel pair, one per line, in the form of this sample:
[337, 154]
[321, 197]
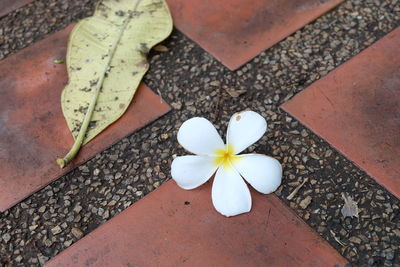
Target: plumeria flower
[230, 194]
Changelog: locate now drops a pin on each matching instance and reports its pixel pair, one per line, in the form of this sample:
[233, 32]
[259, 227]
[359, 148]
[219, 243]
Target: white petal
[192, 171]
[199, 136]
[244, 129]
[230, 194]
[262, 172]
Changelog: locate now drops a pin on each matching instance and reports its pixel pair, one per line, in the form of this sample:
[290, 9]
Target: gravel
[195, 84]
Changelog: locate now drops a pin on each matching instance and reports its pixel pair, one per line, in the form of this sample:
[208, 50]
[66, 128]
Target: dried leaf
[161, 48]
[350, 208]
[106, 61]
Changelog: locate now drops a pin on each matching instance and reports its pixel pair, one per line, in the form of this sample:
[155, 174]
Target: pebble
[305, 202]
[6, 237]
[112, 203]
[355, 239]
[77, 233]
[18, 258]
[77, 208]
[56, 230]
[68, 243]
[33, 227]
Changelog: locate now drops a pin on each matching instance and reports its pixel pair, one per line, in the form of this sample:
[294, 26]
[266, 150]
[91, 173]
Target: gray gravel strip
[195, 84]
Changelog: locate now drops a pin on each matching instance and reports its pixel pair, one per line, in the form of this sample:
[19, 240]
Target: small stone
[355, 239]
[112, 203]
[6, 237]
[77, 208]
[330, 196]
[76, 232]
[23, 205]
[305, 202]
[314, 156]
[68, 243]
[100, 211]
[396, 232]
[96, 172]
[56, 230]
[42, 259]
[215, 83]
[390, 255]
[106, 214]
[48, 243]
[176, 105]
[42, 209]
[300, 167]
[18, 259]
[32, 227]
[328, 153]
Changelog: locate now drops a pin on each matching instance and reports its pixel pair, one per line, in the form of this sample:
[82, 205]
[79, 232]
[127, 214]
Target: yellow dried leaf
[106, 61]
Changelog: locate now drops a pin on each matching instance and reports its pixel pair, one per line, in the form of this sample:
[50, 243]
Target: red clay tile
[356, 108]
[32, 128]
[7, 6]
[174, 227]
[235, 31]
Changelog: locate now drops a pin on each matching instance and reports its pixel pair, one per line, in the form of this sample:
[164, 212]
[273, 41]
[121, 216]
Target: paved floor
[356, 108]
[194, 83]
[28, 107]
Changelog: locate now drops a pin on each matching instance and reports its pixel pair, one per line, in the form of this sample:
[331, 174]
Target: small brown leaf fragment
[235, 93]
[350, 208]
[161, 48]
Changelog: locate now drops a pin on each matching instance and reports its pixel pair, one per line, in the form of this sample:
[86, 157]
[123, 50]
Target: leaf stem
[63, 162]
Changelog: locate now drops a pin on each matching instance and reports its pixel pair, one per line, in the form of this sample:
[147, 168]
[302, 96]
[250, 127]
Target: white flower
[230, 194]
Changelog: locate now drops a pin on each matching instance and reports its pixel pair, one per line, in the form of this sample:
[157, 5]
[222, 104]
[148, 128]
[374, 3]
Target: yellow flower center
[225, 156]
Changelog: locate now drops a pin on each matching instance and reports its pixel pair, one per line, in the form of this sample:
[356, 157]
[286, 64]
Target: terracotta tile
[7, 6]
[235, 31]
[32, 128]
[174, 227]
[356, 108]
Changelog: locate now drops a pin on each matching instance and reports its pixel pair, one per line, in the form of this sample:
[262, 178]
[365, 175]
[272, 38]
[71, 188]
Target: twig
[291, 196]
[159, 94]
[337, 239]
